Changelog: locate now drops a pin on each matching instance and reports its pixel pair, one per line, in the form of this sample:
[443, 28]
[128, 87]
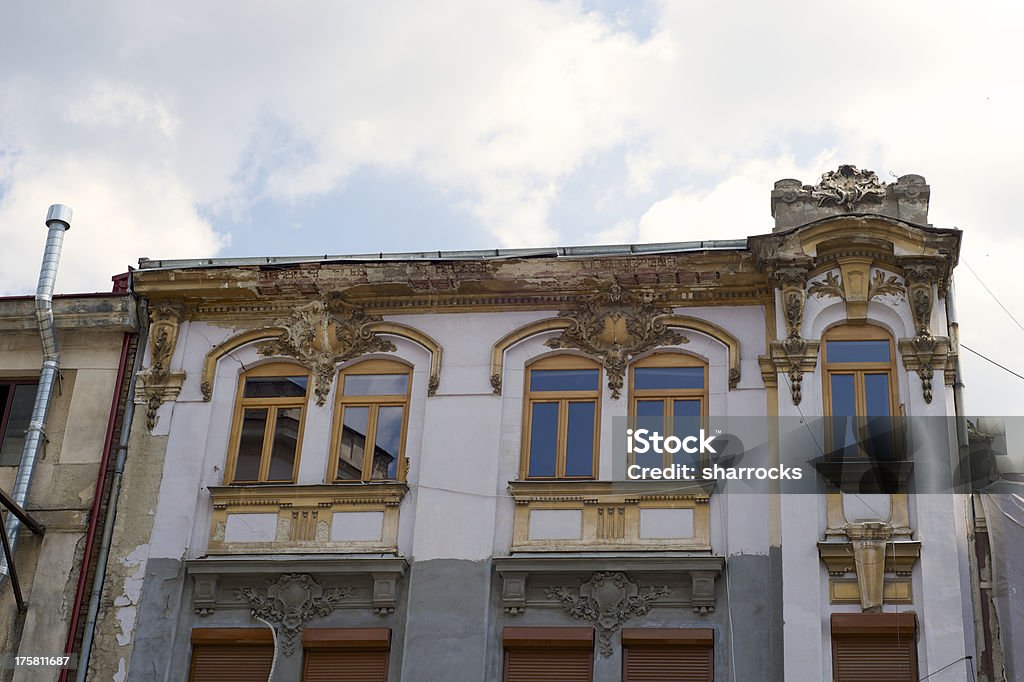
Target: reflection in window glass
[250, 446]
[353, 443]
[876, 390]
[686, 421]
[275, 387]
[646, 378]
[579, 453]
[650, 415]
[22, 399]
[543, 439]
[376, 384]
[844, 407]
[286, 441]
[563, 380]
[875, 350]
[388, 442]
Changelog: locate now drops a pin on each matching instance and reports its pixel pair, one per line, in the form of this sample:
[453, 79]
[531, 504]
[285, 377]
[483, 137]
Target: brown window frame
[857, 332]
[272, 369]
[228, 637]
[5, 409]
[563, 398]
[667, 395]
[346, 639]
[374, 403]
[546, 638]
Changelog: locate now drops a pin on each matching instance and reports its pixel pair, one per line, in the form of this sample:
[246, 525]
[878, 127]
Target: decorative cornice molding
[608, 600]
[614, 326]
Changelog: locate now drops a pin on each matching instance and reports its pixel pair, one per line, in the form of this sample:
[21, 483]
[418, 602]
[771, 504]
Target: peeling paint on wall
[126, 604]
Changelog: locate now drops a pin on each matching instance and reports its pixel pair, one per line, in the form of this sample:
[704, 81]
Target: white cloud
[139, 114]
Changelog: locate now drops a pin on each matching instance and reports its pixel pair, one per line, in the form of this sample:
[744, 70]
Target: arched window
[267, 434]
[370, 420]
[561, 419]
[669, 395]
[860, 391]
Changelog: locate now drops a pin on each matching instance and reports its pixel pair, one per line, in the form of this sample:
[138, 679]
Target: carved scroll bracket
[614, 326]
[925, 352]
[793, 355]
[157, 384]
[291, 601]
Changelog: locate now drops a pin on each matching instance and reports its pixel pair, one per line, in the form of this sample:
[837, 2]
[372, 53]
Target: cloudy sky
[188, 129]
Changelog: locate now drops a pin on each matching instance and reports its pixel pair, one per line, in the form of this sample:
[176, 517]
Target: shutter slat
[668, 664]
[219, 663]
[870, 658]
[345, 666]
[545, 665]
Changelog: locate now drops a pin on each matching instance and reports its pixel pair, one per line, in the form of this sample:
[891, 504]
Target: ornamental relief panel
[614, 326]
[157, 384]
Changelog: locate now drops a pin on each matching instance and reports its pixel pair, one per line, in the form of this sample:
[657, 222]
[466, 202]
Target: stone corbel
[204, 599]
[385, 593]
[703, 594]
[794, 355]
[925, 352]
[869, 539]
[157, 384]
[513, 592]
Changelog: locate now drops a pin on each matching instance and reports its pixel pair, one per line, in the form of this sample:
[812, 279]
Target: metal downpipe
[58, 221]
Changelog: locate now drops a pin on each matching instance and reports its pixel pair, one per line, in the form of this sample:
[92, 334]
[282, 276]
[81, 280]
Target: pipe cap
[59, 213]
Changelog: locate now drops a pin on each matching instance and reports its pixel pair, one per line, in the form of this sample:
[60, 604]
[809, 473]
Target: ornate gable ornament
[291, 601]
[322, 334]
[608, 600]
[848, 186]
[614, 326]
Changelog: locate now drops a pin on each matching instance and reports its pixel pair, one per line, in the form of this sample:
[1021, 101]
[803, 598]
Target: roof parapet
[849, 190]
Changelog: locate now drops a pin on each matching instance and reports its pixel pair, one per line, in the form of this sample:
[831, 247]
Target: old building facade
[408, 466]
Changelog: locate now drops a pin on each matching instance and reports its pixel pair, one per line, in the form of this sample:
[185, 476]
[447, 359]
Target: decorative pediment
[324, 333]
[614, 326]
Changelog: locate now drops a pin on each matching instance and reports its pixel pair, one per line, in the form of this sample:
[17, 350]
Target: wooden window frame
[661, 638]
[667, 395]
[346, 639]
[12, 382]
[272, 369]
[545, 638]
[374, 403]
[857, 332]
[901, 625]
[228, 637]
[563, 398]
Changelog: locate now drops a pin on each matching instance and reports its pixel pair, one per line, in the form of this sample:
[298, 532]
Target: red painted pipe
[97, 500]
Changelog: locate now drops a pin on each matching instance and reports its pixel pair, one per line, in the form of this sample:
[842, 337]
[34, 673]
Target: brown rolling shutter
[546, 654]
[876, 646]
[668, 655]
[231, 655]
[346, 654]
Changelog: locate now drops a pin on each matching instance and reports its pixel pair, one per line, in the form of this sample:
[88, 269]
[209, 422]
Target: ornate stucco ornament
[614, 326]
[848, 186]
[794, 355]
[608, 599]
[880, 285]
[291, 601]
[157, 384]
[869, 539]
[924, 352]
[322, 334]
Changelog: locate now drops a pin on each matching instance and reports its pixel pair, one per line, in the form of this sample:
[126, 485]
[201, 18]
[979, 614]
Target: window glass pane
[686, 422]
[645, 378]
[23, 398]
[543, 439]
[353, 442]
[650, 415]
[389, 442]
[876, 389]
[275, 387]
[250, 445]
[376, 384]
[286, 442]
[857, 351]
[563, 380]
[579, 451]
[844, 407]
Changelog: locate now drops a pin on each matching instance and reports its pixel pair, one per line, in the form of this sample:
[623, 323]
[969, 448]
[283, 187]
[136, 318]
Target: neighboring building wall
[91, 331]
